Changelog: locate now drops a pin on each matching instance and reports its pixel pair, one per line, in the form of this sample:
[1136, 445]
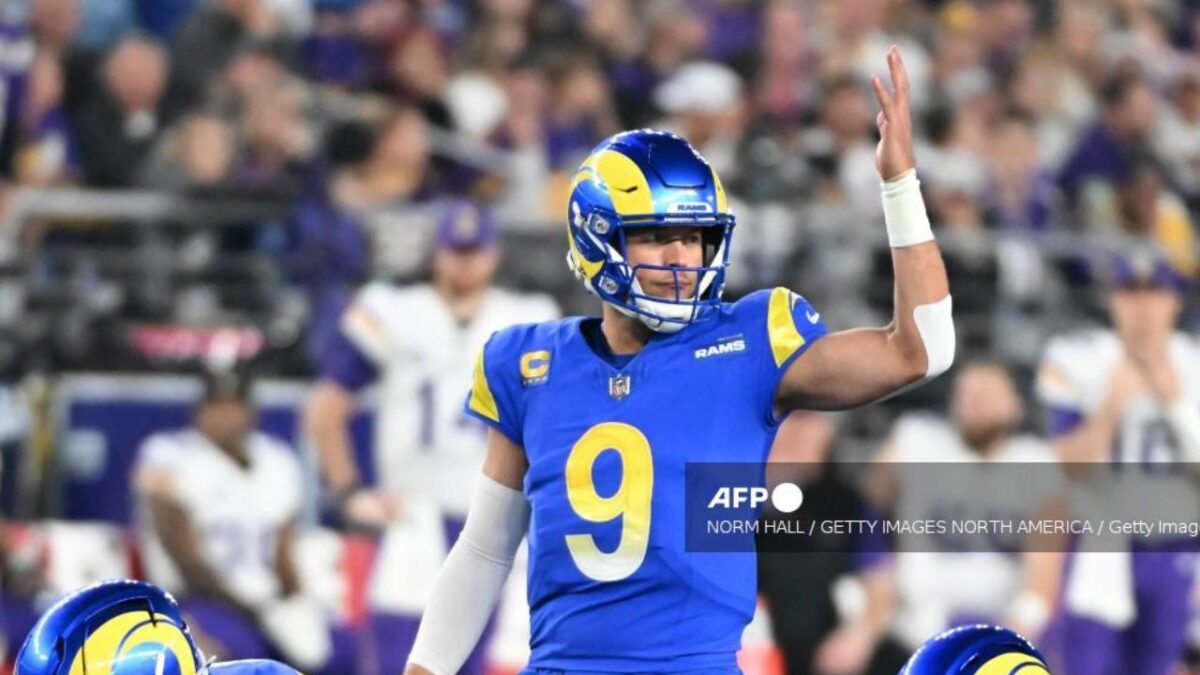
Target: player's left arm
[854, 367]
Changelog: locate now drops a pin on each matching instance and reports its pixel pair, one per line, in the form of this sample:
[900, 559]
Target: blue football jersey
[611, 586]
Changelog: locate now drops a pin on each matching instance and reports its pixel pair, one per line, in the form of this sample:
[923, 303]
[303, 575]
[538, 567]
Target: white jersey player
[422, 357]
[418, 344]
[952, 577]
[1130, 395]
[217, 510]
[237, 511]
[1090, 373]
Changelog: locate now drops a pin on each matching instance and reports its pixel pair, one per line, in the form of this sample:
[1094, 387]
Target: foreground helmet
[111, 628]
[647, 179]
[977, 650]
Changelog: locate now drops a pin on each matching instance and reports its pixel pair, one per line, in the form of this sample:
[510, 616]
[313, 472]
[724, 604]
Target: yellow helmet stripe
[1013, 663]
[627, 185]
[109, 643]
[590, 268]
[719, 188]
[587, 169]
[781, 326]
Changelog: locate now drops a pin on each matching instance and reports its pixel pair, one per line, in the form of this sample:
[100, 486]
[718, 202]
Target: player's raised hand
[894, 155]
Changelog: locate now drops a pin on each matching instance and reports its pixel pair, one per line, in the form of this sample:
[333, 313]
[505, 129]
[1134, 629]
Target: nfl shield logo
[618, 386]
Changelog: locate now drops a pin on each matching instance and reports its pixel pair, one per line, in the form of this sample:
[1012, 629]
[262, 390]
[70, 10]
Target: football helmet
[112, 628]
[977, 650]
[639, 179]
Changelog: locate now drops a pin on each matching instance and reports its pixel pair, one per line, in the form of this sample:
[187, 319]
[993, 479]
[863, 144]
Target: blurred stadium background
[184, 182]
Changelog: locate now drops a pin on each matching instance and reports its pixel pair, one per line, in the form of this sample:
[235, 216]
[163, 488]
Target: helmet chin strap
[653, 322]
[660, 317]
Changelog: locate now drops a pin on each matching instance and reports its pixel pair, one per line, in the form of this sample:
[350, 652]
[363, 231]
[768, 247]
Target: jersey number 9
[631, 501]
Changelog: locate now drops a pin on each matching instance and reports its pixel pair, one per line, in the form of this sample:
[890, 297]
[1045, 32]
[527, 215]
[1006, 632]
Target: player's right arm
[505, 461]
[470, 582]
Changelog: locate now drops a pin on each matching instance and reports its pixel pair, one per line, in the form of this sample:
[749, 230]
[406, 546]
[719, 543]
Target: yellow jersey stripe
[482, 400]
[781, 327]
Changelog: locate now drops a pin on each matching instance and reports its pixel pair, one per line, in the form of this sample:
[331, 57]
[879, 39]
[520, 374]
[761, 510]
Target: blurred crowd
[1045, 129]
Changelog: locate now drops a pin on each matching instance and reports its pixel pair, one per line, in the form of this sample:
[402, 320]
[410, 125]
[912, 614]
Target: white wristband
[904, 212]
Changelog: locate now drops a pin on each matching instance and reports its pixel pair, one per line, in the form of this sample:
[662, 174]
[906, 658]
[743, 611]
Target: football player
[593, 420]
[946, 580]
[1129, 395]
[217, 510]
[127, 627]
[418, 343]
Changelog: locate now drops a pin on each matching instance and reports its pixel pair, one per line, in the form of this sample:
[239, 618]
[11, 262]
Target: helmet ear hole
[711, 237]
[60, 650]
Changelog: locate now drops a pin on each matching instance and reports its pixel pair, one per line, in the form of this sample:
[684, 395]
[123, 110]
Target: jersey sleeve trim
[347, 365]
[788, 338]
[1062, 420]
[493, 424]
[782, 333]
[482, 402]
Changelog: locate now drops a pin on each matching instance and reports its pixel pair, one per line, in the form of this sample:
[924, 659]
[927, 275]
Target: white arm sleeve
[935, 324]
[470, 581]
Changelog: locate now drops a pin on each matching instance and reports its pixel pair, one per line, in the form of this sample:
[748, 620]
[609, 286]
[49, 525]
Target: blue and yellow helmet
[977, 650]
[111, 628]
[647, 178]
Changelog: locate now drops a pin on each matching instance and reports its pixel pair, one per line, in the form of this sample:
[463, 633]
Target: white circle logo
[787, 497]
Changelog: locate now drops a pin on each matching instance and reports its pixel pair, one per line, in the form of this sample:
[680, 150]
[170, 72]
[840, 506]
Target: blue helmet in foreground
[640, 179]
[111, 628]
[977, 650]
